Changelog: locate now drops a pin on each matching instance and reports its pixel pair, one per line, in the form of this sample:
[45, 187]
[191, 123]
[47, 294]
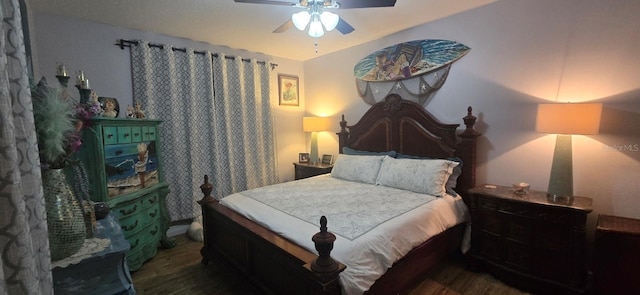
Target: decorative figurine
[110, 108]
[94, 104]
[130, 113]
[139, 113]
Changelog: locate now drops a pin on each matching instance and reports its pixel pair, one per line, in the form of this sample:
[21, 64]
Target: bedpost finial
[206, 189]
[324, 244]
[469, 121]
[323, 224]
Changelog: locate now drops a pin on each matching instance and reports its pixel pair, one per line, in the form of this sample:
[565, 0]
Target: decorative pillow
[350, 151]
[420, 176]
[452, 182]
[357, 168]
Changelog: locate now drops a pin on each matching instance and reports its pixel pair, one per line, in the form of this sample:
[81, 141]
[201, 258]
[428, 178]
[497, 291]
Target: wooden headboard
[406, 127]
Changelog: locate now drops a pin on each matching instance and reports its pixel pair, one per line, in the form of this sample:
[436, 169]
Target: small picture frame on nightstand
[327, 159]
[303, 157]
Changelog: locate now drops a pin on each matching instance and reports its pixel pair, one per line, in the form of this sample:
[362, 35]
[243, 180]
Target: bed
[274, 264]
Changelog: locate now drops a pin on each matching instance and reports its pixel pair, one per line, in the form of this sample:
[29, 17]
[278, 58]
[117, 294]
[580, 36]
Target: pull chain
[315, 43]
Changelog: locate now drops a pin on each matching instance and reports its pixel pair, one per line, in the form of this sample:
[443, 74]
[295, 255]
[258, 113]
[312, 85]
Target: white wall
[524, 53]
[89, 46]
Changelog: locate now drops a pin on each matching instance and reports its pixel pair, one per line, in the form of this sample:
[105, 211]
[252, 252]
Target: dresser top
[618, 224]
[318, 165]
[536, 197]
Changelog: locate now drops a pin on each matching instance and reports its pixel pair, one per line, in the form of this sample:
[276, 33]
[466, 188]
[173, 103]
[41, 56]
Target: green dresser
[123, 161]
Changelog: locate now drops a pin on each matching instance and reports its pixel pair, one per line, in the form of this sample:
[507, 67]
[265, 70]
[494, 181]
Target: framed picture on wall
[288, 90]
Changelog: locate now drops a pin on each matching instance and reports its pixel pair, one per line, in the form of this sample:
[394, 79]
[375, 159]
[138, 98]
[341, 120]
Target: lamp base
[313, 155]
[557, 199]
[561, 177]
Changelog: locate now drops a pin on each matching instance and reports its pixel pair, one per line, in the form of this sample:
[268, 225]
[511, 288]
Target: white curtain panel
[215, 122]
[25, 263]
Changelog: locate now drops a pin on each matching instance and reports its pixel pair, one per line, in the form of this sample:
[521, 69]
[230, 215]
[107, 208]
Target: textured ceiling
[250, 26]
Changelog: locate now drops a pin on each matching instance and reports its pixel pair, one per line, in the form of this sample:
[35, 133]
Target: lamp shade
[329, 20]
[315, 28]
[314, 124]
[301, 19]
[569, 118]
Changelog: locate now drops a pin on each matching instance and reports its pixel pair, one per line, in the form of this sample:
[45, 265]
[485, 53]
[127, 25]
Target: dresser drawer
[517, 255]
[148, 236]
[136, 133]
[518, 229]
[149, 133]
[124, 134]
[490, 246]
[138, 205]
[110, 135]
[490, 222]
[134, 224]
[549, 237]
[143, 245]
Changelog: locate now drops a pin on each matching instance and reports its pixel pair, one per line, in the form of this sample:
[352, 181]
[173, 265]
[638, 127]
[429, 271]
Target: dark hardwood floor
[179, 271]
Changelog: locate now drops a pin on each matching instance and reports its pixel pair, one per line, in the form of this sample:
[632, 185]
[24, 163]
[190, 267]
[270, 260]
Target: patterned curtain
[216, 121]
[243, 139]
[25, 264]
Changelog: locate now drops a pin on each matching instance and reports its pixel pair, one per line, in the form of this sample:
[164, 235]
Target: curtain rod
[122, 43]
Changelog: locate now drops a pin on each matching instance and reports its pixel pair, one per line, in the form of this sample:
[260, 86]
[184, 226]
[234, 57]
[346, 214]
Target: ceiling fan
[315, 14]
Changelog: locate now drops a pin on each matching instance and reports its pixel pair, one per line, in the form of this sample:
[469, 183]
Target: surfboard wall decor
[408, 59]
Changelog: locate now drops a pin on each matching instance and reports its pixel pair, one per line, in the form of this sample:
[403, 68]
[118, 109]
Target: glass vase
[65, 220]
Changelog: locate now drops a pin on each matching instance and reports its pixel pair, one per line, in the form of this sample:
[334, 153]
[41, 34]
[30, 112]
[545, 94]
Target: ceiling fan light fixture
[329, 20]
[301, 19]
[315, 28]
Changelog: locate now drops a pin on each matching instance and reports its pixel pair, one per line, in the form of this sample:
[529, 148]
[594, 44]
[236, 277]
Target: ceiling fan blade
[288, 3]
[346, 4]
[287, 25]
[343, 27]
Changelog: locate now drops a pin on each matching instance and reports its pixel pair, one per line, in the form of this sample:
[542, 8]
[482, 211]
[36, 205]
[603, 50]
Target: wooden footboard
[273, 264]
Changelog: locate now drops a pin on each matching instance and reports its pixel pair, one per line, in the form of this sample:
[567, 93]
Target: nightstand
[616, 255]
[528, 241]
[304, 170]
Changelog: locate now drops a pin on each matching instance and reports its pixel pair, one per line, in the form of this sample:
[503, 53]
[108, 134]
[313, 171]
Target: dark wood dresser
[617, 255]
[529, 241]
[304, 170]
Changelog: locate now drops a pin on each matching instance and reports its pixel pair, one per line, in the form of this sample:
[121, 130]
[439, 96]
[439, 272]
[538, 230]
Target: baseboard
[179, 229]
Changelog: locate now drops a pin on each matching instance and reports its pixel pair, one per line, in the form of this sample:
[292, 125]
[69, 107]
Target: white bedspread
[374, 225]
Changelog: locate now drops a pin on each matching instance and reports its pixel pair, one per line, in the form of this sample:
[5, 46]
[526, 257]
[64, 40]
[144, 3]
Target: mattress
[374, 225]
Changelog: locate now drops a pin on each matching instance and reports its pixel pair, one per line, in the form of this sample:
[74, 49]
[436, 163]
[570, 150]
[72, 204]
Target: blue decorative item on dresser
[123, 160]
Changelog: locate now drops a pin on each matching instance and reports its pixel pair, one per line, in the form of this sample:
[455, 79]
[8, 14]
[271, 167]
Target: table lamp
[565, 119]
[315, 125]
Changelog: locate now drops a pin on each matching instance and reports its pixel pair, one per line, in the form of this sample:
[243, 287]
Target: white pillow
[357, 168]
[420, 176]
